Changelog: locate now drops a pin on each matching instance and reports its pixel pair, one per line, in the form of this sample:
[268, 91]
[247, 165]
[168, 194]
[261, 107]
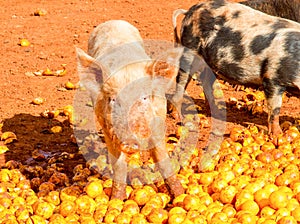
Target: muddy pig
[242, 46]
[288, 9]
[128, 93]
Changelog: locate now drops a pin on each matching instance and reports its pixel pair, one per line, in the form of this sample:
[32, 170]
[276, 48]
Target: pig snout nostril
[130, 146]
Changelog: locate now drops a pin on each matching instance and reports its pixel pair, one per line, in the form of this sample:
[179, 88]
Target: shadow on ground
[36, 145]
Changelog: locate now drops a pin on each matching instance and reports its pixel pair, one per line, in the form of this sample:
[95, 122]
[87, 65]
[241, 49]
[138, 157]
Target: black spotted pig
[242, 46]
[288, 9]
[129, 97]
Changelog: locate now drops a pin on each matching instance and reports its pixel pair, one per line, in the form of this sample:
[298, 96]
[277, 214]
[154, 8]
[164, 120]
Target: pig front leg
[273, 95]
[167, 171]
[162, 159]
[182, 79]
[119, 177]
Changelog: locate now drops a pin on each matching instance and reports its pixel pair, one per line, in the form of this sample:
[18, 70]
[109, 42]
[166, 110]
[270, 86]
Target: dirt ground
[53, 38]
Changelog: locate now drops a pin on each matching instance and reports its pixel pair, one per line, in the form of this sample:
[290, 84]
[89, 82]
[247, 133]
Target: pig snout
[129, 146]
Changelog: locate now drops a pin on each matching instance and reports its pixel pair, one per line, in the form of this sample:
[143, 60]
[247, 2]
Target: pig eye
[144, 98]
[112, 100]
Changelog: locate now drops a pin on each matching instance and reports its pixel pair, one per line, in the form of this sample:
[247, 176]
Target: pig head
[128, 94]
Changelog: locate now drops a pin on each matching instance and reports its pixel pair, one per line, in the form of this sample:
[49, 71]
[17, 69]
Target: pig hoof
[118, 191]
[175, 186]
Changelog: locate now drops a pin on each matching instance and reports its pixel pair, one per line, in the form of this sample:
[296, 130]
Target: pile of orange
[252, 179]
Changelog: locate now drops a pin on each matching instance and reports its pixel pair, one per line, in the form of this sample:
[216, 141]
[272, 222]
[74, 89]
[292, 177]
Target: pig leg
[167, 171]
[119, 177]
[209, 81]
[273, 94]
[162, 158]
[182, 80]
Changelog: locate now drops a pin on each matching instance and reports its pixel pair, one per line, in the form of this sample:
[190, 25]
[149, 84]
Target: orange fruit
[44, 209]
[246, 217]
[178, 201]
[269, 188]
[227, 194]
[57, 219]
[36, 219]
[219, 216]
[123, 218]
[85, 205]
[156, 201]
[254, 186]
[278, 199]
[67, 208]
[138, 219]
[176, 218]
[267, 211]
[158, 215]
[94, 188]
[261, 197]
[292, 204]
[265, 157]
[165, 198]
[100, 212]
[191, 202]
[206, 178]
[150, 190]
[115, 204]
[267, 147]
[194, 189]
[147, 208]
[281, 212]
[53, 197]
[269, 221]
[177, 210]
[102, 199]
[24, 42]
[229, 210]
[206, 200]
[250, 206]
[131, 209]
[73, 218]
[296, 214]
[218, 185]
[192, 214]
[287, 220]
[141, 196]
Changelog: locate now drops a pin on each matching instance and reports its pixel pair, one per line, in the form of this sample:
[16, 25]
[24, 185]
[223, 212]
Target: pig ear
[167, 66]
[90, 72]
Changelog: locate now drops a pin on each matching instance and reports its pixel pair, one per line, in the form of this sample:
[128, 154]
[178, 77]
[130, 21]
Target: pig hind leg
[182, 80]
[273, 92]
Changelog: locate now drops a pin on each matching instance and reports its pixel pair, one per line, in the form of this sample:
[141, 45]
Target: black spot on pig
[274, 113]
[217, 4]
[264, 67]
[272, 86]
[287, 70]
[280, 24]
[289, 65]
[193, 9]
[232, 70]
[206, 23]
[189, 39]
[236, 14]
[233, 40]
[292, 45]
[261, 42]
